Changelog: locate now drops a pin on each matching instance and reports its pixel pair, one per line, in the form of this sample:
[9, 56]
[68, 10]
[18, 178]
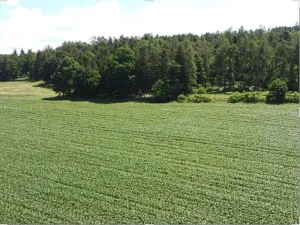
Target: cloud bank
[32, 29]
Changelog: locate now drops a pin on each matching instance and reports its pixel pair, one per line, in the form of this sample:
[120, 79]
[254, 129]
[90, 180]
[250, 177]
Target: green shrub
[200, 90]
[277, 90]
[196, 98]
[247, 97]
[192, 98]
[236, 97]
[262, 98]
[161, 91]
[253, 97]
[181, 98]
[292, 97]
[206, 98]
[229, 93]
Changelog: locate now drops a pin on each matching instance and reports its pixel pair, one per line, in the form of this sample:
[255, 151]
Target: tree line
[232, 60]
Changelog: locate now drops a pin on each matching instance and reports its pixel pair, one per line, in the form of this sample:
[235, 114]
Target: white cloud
[30, 28]
[11, 2]
[165, 17]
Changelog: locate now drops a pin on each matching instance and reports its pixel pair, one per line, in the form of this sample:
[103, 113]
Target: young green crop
[82, 162]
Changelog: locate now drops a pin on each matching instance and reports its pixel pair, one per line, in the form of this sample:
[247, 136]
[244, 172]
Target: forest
[239, 60]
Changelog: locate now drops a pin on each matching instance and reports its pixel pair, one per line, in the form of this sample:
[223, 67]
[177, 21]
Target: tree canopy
[232, 60]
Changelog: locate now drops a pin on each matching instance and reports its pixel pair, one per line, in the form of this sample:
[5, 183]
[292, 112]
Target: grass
[24, 89]
[84, 162]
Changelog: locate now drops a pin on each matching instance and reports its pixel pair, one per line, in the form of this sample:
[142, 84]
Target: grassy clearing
[24, 89]
[81, 162]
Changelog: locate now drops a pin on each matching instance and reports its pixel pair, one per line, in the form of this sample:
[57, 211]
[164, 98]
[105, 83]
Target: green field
[85, 162]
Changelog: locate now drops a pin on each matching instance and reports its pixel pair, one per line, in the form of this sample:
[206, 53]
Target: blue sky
[127, 6]
[36, 23]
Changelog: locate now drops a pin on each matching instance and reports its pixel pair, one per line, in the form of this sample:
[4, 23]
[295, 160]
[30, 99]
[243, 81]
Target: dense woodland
[231, 60]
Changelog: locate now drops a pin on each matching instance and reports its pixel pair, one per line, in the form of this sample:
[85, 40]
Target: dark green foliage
[277, 90]
[144, 77]
[120, 71]
[86, 83]
[64, 80]
[292, 97]
[9, 68]
[73, 79]
[49, 64]
[174, 73]
[230, 61]
[161, 91]
[29, 64]
[49, 68]
[37, 67]
[188, 71]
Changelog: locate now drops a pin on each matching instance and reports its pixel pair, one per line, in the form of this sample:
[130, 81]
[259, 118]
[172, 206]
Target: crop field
[86, 162]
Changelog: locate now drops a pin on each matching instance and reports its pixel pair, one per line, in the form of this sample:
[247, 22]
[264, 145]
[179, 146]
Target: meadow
[91, 162]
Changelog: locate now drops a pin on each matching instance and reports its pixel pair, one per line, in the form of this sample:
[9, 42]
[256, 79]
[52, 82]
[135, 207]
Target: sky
[33, 24]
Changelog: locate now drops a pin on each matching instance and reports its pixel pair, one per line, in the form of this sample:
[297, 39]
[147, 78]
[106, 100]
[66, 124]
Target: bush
[236, 97]
[277, 91]
[262, 98]
[253, 97]
[196, 98]
[181, 98]
[206, 98]
[161, 91]
[229, 93]
[192, 98]
[200, 90]
[247, 97]
[292, 97]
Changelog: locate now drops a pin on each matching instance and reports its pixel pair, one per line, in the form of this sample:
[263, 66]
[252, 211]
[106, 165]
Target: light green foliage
[247, 97]
[181, 98]
[200, 90]
[236, 97]
[253, 97]
[196, 98]
[292, 97]
[25, 89]
[68, 162]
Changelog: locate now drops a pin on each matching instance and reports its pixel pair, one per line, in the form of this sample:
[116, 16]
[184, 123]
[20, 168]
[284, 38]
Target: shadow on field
[102, 100]
[42, 85]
